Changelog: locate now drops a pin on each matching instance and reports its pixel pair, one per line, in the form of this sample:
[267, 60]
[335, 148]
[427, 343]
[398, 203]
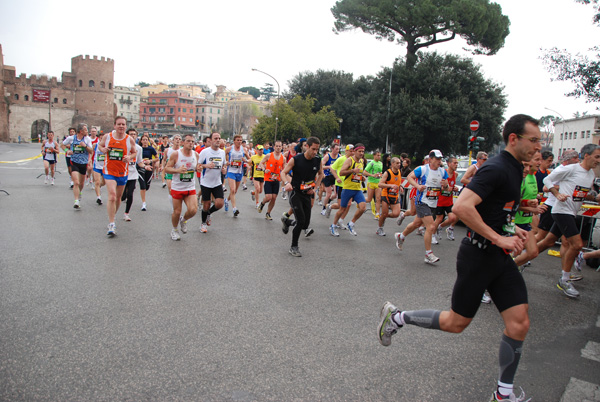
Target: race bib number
[580, 193]
[446, 193]
[217, 161]
[432, 193]
[115, 154]
[236, 163]
[187, 176]
[78, 149]
[48, 150]
[275, 176]
[101, 158]
[356, 178]
[306, 186]
[393, 191]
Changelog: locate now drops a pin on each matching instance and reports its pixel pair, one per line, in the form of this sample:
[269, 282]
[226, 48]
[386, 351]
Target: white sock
[566, 276]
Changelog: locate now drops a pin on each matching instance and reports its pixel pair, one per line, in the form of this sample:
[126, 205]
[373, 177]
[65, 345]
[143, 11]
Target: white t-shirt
[133, 173]
[185, 181]
[211, 178]
[575, 182]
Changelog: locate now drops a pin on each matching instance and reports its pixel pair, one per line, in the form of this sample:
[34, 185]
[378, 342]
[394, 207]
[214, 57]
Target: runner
[486, 206]
[375, 168]
[182, 165]
[164, 145]
[236, 158]
[78, 147]
[146, 169]
[391, 183]
[329, 179]
[307, 176]
[272, 164]
[89, 178]
[97, 166]
[120, 150]
[528, 208]
[429, 180]
[175, 146]
[72, 132]
[335, 169]
[212, 162]
[353, 175]
[444, 205]
[481, 158]
[576, 183]
[50, 151]
[132, 175]
[258, 176]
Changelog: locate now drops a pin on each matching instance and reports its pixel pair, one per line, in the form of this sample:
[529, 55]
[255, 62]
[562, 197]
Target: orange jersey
[392, 179]
[115, 164]
[275, 167]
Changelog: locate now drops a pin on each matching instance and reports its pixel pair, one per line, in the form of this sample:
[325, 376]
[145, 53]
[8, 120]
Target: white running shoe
[112, 230]
[46, 180]
[434, 239]
[76, 204]
[399, 241]
[421, 231]
[450, 233]
[328, 211]
[333, 230]
[485, 298]
[175, 234]
[52, 182]
[380, 232]
[400, 218]
[143, 206]
[182, 225]
[203, 228]
[324, 211]
[126, 217]
[341, 225]
[351, 229]
[431, 259]
[579, 261]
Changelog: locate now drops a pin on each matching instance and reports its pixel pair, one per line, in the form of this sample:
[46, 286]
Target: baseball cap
[349, 147]
[259, 147]
[435, 153]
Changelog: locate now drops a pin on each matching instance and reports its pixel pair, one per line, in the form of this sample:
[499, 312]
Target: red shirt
[446, 198]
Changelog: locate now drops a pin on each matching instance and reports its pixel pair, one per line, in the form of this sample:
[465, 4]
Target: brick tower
[94, 83]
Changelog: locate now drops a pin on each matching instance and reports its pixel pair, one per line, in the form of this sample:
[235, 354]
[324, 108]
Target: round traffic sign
[474, 125]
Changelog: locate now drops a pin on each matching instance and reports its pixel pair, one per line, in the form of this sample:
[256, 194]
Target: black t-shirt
[305, 172]
[498, 183]
[539, 177]
[148, 152]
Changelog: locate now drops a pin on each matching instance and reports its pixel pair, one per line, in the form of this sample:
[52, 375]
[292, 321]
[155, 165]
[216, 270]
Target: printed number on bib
[78, 149]
[236, 163]
[115, 154]
[101, 158]
[580, 193]
[432, 193]
[305, 186]
[356, 178]
[186, 177]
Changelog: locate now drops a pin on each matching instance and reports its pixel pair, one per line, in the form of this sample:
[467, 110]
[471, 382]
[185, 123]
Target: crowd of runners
[514, 206]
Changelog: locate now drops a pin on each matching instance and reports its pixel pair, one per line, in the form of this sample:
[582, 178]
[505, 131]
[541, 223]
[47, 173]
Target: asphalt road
[231, 316]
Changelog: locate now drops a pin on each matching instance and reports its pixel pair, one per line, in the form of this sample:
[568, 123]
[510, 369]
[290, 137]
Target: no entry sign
[474, 125]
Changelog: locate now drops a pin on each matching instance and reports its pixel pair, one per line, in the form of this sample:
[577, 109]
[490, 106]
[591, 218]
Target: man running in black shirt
[306, 178]
[487, 206]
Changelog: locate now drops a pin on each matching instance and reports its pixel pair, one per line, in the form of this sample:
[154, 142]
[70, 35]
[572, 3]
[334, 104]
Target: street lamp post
[340, 136]
[276, 109]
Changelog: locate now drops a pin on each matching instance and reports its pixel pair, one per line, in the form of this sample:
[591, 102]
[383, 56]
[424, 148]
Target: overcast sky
[219, 42]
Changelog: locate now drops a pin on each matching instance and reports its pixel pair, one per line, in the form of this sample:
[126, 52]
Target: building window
[55, 100]
[80, 83]
[64, 101]
[575, 135]
[218, 111]
[16, 96]
[588, 134]
[92, 84]
[102, 84]
[26, 97]
[109, 85]
[570, 136]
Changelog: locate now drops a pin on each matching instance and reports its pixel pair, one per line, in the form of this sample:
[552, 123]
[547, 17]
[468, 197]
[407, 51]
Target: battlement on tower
[86, 58]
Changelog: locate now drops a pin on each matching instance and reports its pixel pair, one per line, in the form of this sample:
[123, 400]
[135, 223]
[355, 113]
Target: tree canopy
[581, 70]
[429, 105]
[420, 24]
[255, 92]
[296, 119]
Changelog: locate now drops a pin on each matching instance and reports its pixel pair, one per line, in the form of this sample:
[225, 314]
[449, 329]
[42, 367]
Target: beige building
[573, 134]
[33, 105]
[128, 104]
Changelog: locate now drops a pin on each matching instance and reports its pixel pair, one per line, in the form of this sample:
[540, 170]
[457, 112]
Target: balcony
[125, 101]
